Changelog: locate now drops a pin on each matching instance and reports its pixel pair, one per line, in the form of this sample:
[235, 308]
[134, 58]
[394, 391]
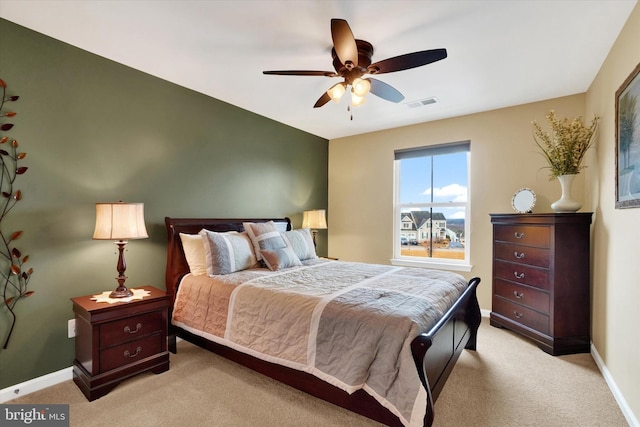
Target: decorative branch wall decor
[13, 277]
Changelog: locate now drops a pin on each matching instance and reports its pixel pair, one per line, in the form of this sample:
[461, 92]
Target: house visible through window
[432, 205]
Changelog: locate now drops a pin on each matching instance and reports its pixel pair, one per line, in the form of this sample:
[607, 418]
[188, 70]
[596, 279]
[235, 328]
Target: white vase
[566, 204]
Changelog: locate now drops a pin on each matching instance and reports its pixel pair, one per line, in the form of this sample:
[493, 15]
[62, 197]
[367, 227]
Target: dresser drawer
[130, 328]
[527, 275]
[130, 352]
[520, 314]
[524, 235]
[540, 257]
[525, 295]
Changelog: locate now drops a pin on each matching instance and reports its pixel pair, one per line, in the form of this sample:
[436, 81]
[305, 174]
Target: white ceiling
[501, 53]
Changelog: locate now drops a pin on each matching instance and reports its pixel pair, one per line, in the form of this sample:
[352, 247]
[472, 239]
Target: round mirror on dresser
[523, 200]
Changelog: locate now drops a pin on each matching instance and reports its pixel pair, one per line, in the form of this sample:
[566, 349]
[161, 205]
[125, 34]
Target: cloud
[457, 215]
[448, 193]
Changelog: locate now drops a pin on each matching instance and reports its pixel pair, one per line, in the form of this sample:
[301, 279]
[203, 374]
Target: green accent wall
[97, 131]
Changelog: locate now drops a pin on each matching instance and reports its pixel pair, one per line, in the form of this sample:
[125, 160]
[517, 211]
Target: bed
[310, 353]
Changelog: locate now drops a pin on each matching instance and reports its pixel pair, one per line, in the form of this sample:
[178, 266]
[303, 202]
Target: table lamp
[120, 222]
[314, 219]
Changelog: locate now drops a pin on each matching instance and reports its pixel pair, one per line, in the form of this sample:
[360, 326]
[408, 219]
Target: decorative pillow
[264, 236]
[280, 258]
[301, 242]
[227, 252]
[194, 253]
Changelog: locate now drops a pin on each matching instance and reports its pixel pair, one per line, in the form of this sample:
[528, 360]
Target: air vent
[421, 102]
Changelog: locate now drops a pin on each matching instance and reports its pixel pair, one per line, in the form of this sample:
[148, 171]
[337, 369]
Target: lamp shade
[120, 221]
[314, 219]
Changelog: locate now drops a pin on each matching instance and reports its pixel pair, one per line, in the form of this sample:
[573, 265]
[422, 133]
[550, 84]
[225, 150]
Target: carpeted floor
[507, 382]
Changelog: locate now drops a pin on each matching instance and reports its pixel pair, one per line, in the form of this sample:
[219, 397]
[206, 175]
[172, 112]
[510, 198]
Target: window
[431, 211]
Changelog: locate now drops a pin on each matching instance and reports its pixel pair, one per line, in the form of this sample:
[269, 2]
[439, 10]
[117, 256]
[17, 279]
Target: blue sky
[450, 181]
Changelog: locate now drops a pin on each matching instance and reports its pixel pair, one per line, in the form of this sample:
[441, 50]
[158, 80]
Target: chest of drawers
[119, 340]
[541, 279]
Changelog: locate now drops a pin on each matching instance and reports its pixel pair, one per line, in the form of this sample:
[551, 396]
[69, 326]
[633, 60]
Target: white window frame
[438, 263]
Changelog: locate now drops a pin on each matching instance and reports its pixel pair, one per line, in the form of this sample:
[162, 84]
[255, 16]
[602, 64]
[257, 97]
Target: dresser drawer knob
[128, 354]
[518, 275]
[518, 295]
[518, 255]
[519, 235]
[128, 330]
[518, 315]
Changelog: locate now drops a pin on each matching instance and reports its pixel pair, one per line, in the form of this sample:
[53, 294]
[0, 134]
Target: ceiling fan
[352, 60]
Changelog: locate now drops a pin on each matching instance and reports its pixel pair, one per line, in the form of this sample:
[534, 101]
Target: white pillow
[194, 253]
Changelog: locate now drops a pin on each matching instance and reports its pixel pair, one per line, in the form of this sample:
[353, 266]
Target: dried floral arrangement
[13, 277]
[567, 143]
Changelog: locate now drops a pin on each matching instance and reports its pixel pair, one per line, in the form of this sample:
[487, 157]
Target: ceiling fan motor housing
[350, 72]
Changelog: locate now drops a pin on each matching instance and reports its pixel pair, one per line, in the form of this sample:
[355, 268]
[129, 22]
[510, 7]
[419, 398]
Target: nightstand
[116, 341]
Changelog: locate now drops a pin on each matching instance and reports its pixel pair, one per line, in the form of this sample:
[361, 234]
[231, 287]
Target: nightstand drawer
[532, 276]
[130, 352]
[522, 315]
[540, 257]
[525, 295]
[531, 235]
[130, 328]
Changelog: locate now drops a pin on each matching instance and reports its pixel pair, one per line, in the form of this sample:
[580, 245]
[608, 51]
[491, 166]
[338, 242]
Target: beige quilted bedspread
[350, 324]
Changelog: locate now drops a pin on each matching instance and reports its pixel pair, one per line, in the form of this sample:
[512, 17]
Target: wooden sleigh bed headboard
[177, 265]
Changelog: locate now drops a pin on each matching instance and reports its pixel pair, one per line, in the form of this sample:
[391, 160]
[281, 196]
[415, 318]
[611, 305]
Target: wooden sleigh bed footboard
[435, 352]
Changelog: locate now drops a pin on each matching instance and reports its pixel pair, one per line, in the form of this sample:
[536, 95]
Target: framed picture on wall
[628, 142]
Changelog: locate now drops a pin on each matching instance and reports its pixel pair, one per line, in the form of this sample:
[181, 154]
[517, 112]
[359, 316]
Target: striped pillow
[227, 252]
[301, 242]
[264, 236]
[280, 258]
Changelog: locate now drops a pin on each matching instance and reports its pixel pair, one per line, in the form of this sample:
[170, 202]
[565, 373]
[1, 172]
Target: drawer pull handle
[518, 255]
[518, 275]
[127, 354]
[518, 235]
[128, 330]
[518, 295]
[518, 315]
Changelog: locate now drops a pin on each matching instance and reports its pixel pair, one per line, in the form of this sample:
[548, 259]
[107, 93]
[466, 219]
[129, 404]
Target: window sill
[431, 264]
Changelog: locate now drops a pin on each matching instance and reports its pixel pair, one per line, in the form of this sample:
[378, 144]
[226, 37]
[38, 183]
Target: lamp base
[121, 292]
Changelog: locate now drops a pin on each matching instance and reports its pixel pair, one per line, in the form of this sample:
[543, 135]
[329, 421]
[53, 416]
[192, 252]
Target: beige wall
[616, 236]
[503, 159]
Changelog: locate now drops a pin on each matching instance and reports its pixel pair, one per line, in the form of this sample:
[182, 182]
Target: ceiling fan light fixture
[361, 87]
[356, 99]
[336, 91]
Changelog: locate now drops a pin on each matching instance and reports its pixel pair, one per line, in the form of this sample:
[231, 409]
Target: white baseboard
[622, 403]
[35, 384]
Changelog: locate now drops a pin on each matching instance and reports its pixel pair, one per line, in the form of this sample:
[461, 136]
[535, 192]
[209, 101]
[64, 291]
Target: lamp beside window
[314, 220]
[120, 222]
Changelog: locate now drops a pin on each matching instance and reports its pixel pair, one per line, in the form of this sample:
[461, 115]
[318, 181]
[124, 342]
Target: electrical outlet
[71, 328]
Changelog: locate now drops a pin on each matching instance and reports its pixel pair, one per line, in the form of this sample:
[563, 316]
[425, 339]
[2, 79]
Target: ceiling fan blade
[385, 91]
[323, 100]
[344, 43]
[302, 73]
[407, 61]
